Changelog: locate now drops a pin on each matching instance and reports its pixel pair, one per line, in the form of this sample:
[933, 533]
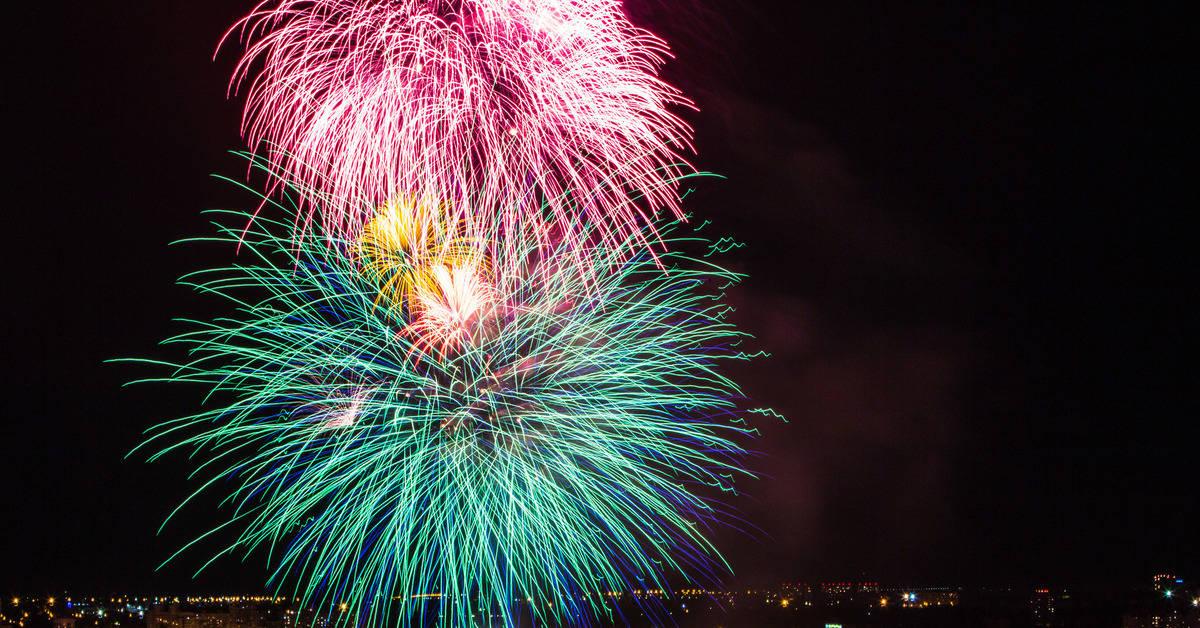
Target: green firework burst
[551, 455]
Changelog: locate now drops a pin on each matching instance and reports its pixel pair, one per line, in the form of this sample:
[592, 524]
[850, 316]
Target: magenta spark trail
[530, 111]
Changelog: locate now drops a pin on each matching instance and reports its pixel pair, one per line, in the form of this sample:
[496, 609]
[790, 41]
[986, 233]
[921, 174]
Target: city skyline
[1162, 602]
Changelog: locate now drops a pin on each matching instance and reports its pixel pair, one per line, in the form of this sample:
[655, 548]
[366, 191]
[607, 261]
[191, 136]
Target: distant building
[921, 598]
[798, 594]
[1042, 605]
[837, 592]
[938, 597]
[1167, 582]
[179, 616]
[233, 614]
[1164, 620]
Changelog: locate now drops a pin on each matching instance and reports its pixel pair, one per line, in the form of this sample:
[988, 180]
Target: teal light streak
[550, 460]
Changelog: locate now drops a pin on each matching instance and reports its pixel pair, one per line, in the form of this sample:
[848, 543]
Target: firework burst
[529, 435]
[548, 110]
[404, 245]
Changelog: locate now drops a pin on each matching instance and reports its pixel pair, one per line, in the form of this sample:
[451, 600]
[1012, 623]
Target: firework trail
[503, 110]
[489, 436]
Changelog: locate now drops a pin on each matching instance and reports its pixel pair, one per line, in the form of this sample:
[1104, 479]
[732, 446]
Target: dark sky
[970, 240]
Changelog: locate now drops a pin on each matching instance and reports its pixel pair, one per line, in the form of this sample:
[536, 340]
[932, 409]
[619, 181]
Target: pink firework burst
[543, 112]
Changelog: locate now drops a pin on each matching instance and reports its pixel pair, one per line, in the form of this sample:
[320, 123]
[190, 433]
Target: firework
[518, 109]
[403, 245]
[516, 443]
[445, 315]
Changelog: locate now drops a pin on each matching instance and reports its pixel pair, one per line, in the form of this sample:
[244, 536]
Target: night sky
[970, 245]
